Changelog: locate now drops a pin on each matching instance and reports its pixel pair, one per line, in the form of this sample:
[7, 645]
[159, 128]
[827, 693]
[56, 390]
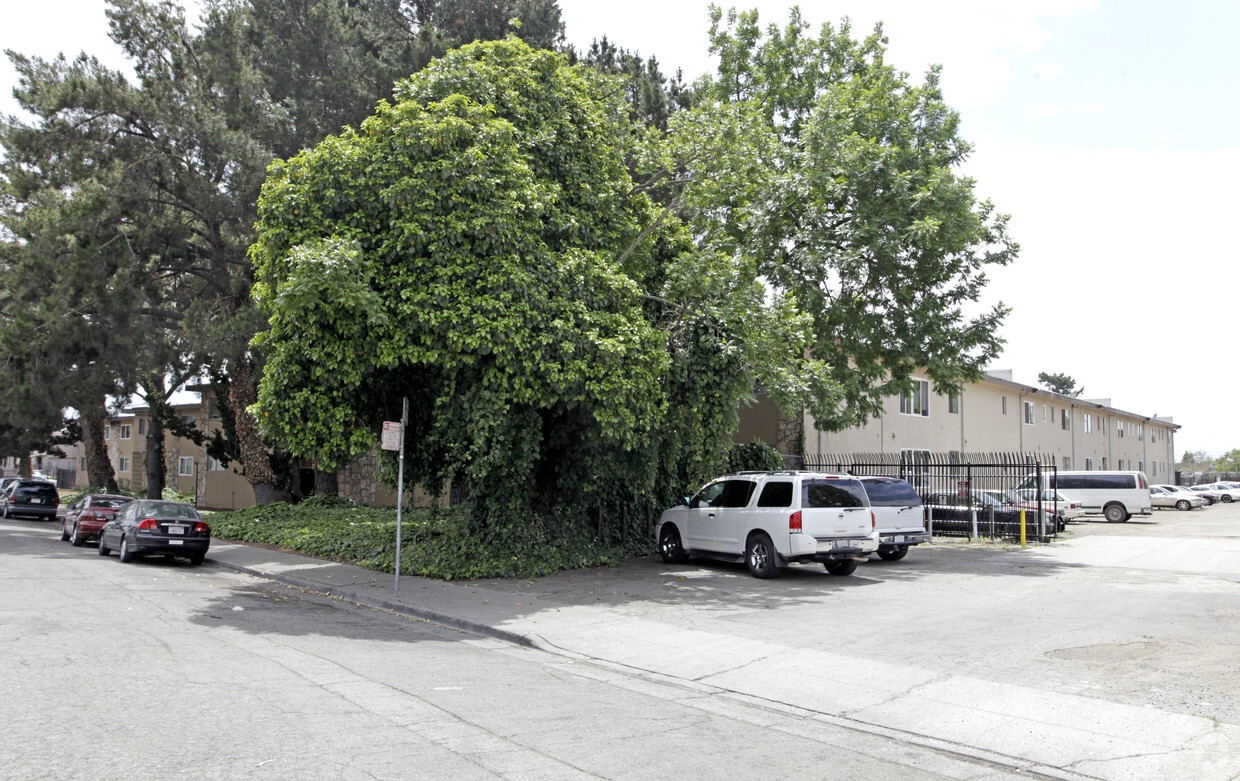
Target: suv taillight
[794, 522]
[873, 522]
[148, 523]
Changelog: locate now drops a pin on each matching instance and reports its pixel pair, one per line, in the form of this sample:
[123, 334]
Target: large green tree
[835, 179]
[479, 246]
[1060, 383]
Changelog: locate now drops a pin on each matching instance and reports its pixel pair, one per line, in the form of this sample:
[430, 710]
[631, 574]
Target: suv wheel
[760, 556]
[1115, 513]
[891, 554]
[841, 566]
[670, 547]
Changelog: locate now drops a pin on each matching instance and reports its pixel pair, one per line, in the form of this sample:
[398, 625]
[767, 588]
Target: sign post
[394, 439]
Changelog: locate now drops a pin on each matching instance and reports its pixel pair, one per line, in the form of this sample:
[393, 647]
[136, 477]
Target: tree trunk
[154, 456]
[98, 466]
[24, 467]
[254, 457]
[325, 484]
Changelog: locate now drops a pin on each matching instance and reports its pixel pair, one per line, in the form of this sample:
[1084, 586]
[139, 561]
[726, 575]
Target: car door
[700, 517]
[732, 520]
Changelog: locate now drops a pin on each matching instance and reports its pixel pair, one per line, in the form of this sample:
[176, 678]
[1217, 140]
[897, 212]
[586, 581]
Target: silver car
[1174, 496]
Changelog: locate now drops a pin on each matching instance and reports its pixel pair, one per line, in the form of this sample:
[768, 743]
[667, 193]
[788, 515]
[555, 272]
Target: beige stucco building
[993, 415]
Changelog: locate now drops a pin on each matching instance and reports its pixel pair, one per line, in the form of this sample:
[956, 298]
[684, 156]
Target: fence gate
[966, 494]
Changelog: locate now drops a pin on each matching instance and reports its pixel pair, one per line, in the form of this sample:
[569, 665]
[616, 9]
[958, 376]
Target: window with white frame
[1029, 419]
[1119, 429]
[1065, 420]
[123, 465]
[1140, 466]
[214, 465]
[1119, 464]
[917, 400]
[1140, 431]
[141, 427]
[1088, 422]
[1104, 463]
[1067, 462]
[1004, 405]
[185, 466]
[1089, 463]
[1104, 427]
[1045, 416]
[953, 403]
[126, 431]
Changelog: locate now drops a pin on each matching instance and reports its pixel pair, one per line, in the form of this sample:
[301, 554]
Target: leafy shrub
[173, 495]
[753, 456]
[435, 542]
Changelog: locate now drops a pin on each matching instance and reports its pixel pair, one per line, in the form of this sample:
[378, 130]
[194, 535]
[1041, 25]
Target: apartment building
[993, 415]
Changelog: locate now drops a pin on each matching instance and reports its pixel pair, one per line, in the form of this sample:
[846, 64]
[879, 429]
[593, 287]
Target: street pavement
[712, 626]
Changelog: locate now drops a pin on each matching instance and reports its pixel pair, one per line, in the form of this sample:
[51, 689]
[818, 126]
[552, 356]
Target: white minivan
[1116, 495]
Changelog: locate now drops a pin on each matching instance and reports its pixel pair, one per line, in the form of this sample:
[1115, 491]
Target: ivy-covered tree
[480, 247]
[835, 179]
[1060, 383]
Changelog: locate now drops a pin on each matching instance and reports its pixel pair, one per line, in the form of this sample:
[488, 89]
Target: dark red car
[85, 517]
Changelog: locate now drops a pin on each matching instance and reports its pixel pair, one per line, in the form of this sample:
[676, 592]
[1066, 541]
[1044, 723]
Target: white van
[1116, 495]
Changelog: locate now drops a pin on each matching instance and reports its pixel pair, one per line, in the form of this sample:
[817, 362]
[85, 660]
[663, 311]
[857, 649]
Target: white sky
[1105, 129]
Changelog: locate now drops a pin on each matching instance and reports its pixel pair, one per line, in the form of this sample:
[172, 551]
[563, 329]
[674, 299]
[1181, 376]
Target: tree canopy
[1060, 383]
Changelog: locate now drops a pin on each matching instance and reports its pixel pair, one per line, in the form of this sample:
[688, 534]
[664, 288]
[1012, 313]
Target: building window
[214, 465]
[1029, 419]
[1005, 405]
[1065, 421]
[1089, 424]
[1140, 466]
[1104, 428]
[1119, 464]
[123, 465]
[82, 463]
[917, 400]
[953, 403]
[1044, 414]
[1067, 462]
[213, 408]
[126, 430]
[107, 432]
[141, 427]
[185, 467]
[1140, 430]
[1104, 463]
[1089, 463]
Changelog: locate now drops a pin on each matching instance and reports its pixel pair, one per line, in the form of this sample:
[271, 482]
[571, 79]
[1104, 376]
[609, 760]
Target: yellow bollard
[1022, 527]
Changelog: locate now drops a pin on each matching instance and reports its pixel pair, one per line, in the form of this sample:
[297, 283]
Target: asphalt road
[160, 670]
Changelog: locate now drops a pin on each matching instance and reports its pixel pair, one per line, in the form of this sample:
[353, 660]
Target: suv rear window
[35, 491]
[890, 493]
[832, 493]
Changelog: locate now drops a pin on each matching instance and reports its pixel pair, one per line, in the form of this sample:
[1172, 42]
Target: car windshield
[890, 493]
[34, 491]
[169, 510]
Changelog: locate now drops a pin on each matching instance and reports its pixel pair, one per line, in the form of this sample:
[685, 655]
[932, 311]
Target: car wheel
[892, 554]
[1226, 499]
[103, 548]
[64, 531]
[1184, 504]
[1115, 513]
[760, 556]
[126, 554]
[669, 545]
[76, 539]
[842, 567]
[197, 558]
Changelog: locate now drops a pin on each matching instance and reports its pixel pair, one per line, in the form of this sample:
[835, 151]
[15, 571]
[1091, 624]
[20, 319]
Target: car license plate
[36, 501]
[898, 538]
[176, 529]
[175, 542]
[843, 544]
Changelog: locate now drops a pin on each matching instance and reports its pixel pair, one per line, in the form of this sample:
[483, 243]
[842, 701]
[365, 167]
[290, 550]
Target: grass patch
[435, 542]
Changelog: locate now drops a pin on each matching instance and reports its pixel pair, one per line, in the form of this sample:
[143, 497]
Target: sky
[1106, 130]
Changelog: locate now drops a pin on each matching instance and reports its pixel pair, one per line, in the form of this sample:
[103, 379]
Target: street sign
[962, 489]
[391, 435]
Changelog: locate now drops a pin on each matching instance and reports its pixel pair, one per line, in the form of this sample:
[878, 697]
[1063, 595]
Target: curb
[351, 595]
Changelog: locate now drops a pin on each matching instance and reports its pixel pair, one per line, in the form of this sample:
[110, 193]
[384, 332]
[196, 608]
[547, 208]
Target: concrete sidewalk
[1042, 732]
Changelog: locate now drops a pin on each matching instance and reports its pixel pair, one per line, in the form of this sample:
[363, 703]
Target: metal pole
[400, 484]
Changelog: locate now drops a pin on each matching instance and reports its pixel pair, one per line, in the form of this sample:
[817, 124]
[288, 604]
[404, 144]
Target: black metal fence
[966, 494]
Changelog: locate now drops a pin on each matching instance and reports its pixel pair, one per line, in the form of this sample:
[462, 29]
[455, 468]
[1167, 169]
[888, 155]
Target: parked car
[1116, 495]
[1209, 495]
[1226, 493]
[954, 511]
[899, 517]
[156, 526]
[31, 498]
[85, 517]
[1068, 507]
[1058, 520]
[772, 519]
[1179, 497]
[6, 482]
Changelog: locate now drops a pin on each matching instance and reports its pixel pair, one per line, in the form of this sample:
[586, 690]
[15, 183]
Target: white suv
[899, 516]
[772, 519]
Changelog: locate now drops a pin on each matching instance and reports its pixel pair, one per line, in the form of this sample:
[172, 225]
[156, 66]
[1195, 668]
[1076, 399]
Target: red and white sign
[391, 435]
